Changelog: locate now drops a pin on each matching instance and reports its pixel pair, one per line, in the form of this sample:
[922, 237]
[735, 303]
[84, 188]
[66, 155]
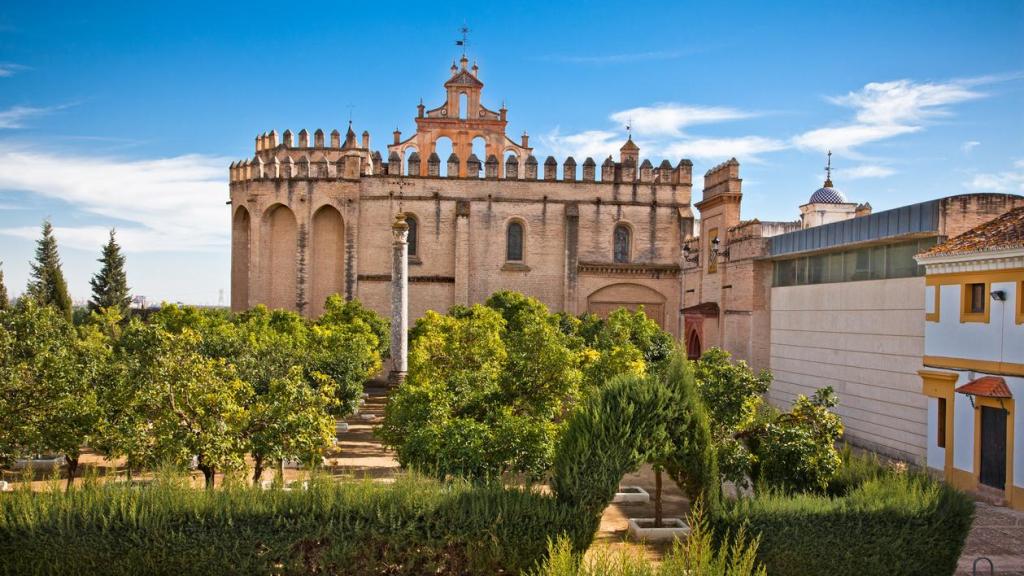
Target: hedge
[893, 523]
[415, 526]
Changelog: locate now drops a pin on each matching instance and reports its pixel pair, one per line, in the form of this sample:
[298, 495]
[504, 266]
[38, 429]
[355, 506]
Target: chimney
[366, 139]
[398, 135]
[526, 140]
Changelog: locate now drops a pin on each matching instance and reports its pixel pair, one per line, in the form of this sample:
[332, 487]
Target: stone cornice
[630, 270]
[974, 262]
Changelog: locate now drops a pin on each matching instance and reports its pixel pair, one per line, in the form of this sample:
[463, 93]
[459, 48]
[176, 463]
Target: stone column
[399, 301]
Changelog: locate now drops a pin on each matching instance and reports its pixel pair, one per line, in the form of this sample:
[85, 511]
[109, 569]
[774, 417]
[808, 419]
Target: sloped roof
[987, 386]
[1002, 233]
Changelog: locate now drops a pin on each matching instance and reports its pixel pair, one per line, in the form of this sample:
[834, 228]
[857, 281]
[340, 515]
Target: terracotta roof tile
[1002, 233]
[989, 386]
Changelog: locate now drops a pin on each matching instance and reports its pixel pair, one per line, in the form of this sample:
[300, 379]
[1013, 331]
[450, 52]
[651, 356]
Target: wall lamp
[715, 251]
[998, 295]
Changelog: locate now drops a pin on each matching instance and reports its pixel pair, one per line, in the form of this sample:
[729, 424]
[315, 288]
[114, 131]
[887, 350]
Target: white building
[974, 358]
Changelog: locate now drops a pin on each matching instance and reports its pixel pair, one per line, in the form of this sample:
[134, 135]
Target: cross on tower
[629, 127]
[828, 167]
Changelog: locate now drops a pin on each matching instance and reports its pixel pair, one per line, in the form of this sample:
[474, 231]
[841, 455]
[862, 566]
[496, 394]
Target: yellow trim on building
[934, 316]
[966, 315]
[1004, 404]
[940, 385]
[986, 366]
[1020, 302]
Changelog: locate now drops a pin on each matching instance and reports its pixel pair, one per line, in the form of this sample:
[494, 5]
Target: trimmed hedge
[893, 523]
[415, 526]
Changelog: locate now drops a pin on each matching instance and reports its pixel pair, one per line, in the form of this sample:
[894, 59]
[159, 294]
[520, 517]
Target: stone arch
[622, 243]
[413, 239]
[444, 147]
[241, 226]
[630, 296]
[280, 246]
[463, 105]
[327, 261]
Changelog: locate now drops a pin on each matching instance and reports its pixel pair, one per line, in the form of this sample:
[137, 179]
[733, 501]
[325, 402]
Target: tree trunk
[657, 497]
[258, 469]
[208, 475]
[72, 468]
[280, 471]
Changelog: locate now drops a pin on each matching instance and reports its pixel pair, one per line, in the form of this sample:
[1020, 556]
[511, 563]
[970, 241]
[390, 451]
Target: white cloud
[887, 109]
[864, 171]
[1009, 182]
[966, 147]
[173, 204]
[596, 144]
[747, 147]
[15, 117]
[8, 69]
[669, 119]
[1019, 163]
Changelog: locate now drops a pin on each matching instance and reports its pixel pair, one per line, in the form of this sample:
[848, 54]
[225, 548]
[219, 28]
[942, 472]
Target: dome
[827, 195]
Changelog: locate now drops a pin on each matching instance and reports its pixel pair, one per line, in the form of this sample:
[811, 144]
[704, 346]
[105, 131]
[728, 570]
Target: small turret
[550, 168]
[473, 166]
[569, 169]
[531, 167]
[589, 170]
[512, 168]
[303, 138]
[433, 164]
[335, 138]
[453, 165]
[491, 167]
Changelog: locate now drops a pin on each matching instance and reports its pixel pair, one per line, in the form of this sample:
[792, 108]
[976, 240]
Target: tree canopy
[46, 282]
[110, 284]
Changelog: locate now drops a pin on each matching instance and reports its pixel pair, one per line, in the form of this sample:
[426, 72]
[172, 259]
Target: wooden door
[993, 447]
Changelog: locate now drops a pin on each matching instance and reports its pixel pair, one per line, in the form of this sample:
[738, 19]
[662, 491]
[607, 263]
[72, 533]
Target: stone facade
[313, 219]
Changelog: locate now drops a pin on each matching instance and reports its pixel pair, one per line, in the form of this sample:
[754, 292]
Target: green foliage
[893, 523]
[730, 390]
[633, 420]
[110, 284]
[338, 312]
[48, 402]
[697, 554]
[5, 300]
[46, 282]
[626, 342]
[796, 451]
[485, 388]
[414, 526]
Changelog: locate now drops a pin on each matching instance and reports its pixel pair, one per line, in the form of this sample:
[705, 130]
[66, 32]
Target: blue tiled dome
[827, 195]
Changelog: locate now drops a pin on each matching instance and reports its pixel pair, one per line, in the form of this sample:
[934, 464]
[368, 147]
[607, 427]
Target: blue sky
[127, 114]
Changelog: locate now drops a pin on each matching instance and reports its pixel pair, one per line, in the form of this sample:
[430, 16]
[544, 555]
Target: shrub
[628, 422]
[415, 526]
[697, 555]
[894, 523]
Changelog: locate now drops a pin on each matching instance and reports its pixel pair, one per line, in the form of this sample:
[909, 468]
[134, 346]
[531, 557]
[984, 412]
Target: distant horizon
[129, 118]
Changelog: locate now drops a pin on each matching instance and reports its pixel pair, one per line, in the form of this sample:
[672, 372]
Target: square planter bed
[631, 495]
[671, 528]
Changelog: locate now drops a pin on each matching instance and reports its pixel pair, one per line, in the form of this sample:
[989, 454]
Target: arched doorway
[693, 350]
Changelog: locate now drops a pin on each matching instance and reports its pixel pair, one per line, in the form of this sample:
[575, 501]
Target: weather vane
[828, 166]
[629, 127]
[465, 37]
[350, 108]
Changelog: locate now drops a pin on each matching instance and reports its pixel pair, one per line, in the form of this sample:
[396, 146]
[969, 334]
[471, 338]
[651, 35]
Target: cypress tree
[46, 284]
[5, 302]
[110, 284]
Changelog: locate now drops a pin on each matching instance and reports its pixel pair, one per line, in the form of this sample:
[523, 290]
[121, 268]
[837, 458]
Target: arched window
[514, 242]
[622, 239]
[413, 225]
[693, 346]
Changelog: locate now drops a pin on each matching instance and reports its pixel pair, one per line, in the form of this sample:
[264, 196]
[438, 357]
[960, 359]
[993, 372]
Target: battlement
[283, 160]
[269, 141]
[722, 179]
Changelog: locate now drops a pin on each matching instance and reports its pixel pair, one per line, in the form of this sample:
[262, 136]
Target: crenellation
[569, 170]
[303, 138]
[512, 167]
[491, 167]
[589, 169]
[287, 138]
[318, 138]
[608, 170]
[646, 171]
[531, 168]
[453, 165]
[433, 165]
[414, 164]
[473, 166]
[628, 171]
[550, 168]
